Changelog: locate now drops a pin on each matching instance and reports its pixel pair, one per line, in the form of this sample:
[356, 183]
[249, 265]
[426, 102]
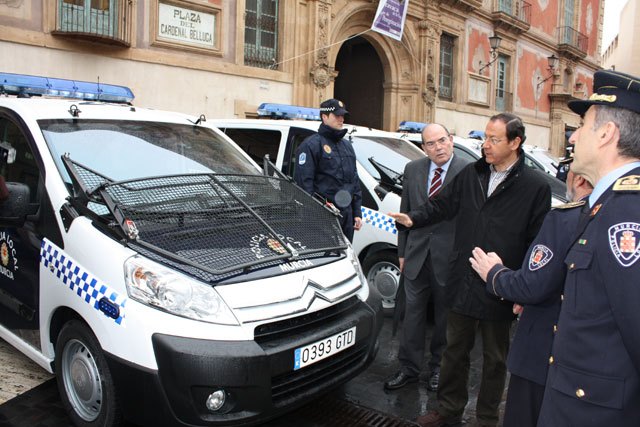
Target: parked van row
[148, 262]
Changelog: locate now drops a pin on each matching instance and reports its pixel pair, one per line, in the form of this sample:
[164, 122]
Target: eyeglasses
[493, 140]
[431, 144]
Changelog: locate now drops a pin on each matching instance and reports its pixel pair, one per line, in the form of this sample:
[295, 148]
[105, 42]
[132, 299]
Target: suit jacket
[414, 245]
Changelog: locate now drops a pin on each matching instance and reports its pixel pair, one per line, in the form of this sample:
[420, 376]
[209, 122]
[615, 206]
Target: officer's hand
[401, 264]
[401, 218]
[357, 223]
[517, 309]
[482, 262]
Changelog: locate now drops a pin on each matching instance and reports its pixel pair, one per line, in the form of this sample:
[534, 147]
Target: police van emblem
[540, 256]
[624, 240]
[302, 158]
[276, 246]
[327, 149]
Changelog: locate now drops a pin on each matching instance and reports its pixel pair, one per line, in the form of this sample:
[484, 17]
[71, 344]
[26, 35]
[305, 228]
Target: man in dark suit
[423, 254]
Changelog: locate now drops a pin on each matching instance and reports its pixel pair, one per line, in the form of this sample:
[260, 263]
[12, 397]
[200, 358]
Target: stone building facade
[224, 58]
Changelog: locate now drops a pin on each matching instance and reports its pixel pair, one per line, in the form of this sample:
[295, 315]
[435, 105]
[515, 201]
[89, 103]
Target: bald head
[437, 144]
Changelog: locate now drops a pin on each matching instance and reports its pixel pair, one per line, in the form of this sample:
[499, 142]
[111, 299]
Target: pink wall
[527, 82]
[545, 20]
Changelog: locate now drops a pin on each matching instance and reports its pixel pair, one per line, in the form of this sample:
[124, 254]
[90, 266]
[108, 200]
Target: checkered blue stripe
[87, 287]
[380, 220]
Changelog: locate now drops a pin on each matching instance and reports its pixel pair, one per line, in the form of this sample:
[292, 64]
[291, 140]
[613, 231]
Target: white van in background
[381, 158]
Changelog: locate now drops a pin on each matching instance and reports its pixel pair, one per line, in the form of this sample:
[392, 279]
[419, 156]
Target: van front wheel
[84, 380]
[383, 273]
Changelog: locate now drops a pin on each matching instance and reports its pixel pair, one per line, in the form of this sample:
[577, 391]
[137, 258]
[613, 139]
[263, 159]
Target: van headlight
[159, 287]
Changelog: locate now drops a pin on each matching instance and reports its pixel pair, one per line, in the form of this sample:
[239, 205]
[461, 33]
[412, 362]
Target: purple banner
[390, 17]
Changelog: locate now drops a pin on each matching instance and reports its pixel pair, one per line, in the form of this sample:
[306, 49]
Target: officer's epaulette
[570, 205]
[627, 183]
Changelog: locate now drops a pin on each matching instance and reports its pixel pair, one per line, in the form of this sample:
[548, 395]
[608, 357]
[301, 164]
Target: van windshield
[393, 153]
[123, 150]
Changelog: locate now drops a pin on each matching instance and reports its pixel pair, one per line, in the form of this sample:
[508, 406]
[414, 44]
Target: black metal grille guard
[219, 223]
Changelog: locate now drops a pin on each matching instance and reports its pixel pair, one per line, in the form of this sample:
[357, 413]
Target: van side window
[296, 136]
[24, 168]
[256, 142]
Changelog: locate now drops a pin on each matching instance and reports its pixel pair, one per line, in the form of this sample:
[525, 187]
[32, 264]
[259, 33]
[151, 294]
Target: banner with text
[390, 17]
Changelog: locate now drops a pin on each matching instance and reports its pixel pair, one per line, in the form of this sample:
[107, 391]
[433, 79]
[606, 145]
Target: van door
[22, 227]
[294, 139]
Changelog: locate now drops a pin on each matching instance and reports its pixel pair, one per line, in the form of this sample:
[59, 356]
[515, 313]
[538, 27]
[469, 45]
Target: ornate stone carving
[322, 75]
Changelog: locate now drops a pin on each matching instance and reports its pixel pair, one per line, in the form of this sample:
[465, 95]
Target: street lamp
[553, 64]
[494, 42]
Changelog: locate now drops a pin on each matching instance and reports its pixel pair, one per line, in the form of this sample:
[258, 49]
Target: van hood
[210, 225]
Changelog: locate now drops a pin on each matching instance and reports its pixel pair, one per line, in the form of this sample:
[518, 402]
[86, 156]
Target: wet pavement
[362, 402]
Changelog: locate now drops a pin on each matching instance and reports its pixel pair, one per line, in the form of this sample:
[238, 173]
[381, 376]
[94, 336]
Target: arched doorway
[359, 82]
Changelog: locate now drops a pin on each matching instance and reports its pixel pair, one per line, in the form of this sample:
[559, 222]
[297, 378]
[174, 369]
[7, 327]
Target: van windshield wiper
[219, 223]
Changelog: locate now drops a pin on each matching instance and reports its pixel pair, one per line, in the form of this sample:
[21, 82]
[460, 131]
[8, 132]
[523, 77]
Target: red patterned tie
[436, 182]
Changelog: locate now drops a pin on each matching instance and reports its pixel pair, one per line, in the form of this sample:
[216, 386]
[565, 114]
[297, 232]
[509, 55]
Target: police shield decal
[624, 240]
[540, 256]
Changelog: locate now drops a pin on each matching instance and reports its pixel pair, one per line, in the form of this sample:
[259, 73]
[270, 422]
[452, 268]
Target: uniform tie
[436, 182]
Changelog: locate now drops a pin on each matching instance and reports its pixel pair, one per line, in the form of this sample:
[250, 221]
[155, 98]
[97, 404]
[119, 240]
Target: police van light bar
[284, 111]
[411, 127]
[476, 134]
[25, 85]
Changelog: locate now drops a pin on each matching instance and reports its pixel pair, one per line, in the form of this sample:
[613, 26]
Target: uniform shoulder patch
[624, 240]
[571, 205]
[302, 159]
[540, 256]
[627, 183]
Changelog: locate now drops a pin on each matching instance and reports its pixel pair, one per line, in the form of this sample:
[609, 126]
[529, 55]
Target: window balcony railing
[518, 9]
[573, 38]
[107, 21]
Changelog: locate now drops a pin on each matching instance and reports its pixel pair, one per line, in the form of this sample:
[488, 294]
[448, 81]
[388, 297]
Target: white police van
[149, 264]
[381, 157]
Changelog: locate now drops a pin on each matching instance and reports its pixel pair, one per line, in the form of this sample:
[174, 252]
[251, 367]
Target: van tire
[383, 273]
[85, 384]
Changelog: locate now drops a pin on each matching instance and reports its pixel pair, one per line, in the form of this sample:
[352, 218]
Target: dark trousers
[346, 222]
[524, 400]
[454, 372]
[412, 335]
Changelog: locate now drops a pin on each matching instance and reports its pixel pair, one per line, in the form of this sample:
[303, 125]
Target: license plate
[312, 353]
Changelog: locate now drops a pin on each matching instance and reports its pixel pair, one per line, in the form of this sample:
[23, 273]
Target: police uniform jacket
[594, 373]
[327, 164]
[537, 285]
[505, 222]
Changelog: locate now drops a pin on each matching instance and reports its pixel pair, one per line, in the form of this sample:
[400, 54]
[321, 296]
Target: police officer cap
[611, 88]
[333, 106]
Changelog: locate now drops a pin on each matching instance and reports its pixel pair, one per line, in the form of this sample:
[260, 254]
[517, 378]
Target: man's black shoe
[434, 381]
[399, 380]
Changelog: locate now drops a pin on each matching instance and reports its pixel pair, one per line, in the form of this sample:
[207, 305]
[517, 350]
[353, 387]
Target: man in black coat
[500, 205]
[423, 255]
[538, 285]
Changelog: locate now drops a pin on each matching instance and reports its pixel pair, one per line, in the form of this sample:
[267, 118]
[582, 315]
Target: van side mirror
[15, 208]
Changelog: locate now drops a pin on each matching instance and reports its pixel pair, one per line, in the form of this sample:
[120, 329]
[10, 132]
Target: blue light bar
[476, 134]
[411, 127]
[284, 111]
[25, 85]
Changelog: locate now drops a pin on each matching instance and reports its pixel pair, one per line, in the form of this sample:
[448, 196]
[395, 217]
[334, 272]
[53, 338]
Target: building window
[503, 97]
[446, 67]
[261, 33]
[102, 19]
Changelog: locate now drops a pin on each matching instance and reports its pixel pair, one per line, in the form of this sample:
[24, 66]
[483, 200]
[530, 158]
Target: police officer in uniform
[538, 286]
[594, 368]
[327, 167]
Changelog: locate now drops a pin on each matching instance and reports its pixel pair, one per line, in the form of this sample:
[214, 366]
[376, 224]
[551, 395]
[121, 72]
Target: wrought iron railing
[572, 37]
[519, 9]
[107, 20]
